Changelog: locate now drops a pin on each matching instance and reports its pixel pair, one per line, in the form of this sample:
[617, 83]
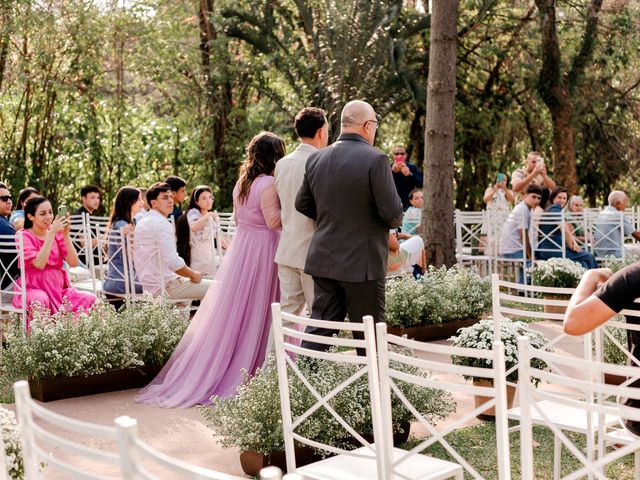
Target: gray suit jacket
[297, 229]
[348, 190]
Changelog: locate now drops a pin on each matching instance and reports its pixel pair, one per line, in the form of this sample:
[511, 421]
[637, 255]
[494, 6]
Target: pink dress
[50, 285]
[229, 332]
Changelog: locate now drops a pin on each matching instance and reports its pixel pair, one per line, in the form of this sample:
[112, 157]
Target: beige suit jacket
[297, 229]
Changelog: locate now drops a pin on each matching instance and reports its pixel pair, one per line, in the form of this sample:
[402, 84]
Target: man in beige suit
[296, 287]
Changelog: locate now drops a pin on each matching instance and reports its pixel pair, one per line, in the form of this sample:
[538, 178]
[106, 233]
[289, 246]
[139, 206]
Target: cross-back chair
[434, 359]
[362, 462]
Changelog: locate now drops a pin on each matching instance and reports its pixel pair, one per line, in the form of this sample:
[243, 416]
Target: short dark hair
[175, 183]
[413, 192]
[3, 185]
[308, 121]
[30, 208]
[534, 188]
[87, 189]
[556, 191]
[156, 189]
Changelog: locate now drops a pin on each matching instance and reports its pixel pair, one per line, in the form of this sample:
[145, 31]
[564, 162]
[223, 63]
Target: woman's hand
[58, 225]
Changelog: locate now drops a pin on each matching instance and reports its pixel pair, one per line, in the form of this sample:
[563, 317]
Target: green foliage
[617, 264]
[251, 420]
[441, 295]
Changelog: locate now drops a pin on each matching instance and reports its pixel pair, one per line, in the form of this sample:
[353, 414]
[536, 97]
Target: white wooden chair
[11, 245]
[587, 396]
[40, 430]
[505, 304]
[81, 239]
[363, 462]
[472, 245]
[140, 461]
[549, 232]
[516, 268]
[603, 232]
[402, 464]
[115, 265]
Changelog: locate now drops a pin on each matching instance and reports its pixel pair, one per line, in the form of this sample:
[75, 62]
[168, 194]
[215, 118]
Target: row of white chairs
[93, 242]
[478, 237]
[121, 452]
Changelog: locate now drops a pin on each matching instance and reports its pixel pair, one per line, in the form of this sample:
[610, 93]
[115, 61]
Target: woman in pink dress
[229, 331]
[47, 246]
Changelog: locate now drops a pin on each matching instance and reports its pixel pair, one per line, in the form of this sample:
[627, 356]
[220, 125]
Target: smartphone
[62, 211]
[540, 161]
[500, 178]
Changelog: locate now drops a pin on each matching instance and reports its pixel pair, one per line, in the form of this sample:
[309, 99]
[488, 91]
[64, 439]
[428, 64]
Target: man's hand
[541, 169]
[196, 277]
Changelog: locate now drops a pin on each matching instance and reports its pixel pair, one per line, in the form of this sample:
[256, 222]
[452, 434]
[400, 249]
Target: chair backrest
[548, 229]
[42, 429]
[606, 233]
[146, 257]
[578, 220]
[114, 260]
[393, 353]
[596, 399]
[507, 304]
[12, 268]
[470, 240]
[287, 335]
[140, 461]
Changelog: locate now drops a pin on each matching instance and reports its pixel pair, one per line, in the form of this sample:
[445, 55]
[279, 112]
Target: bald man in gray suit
[348, 190]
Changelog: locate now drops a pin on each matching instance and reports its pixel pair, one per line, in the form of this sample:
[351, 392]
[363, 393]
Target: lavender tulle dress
[229, 332]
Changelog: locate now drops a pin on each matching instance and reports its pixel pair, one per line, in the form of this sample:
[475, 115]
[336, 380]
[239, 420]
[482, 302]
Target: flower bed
[251, 420]
[66, 345]
[12, 446]
[442, 295]
[616, 264]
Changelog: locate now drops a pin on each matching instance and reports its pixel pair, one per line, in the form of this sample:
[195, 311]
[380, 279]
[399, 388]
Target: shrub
[616, 264]
[557, 272]
[441, 295]
[68, 344]
[480, 336]
[251, 420]
[10, 431]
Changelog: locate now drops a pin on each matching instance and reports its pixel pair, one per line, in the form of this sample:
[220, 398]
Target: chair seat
[348, 467]
[621, 435]
[563, 416]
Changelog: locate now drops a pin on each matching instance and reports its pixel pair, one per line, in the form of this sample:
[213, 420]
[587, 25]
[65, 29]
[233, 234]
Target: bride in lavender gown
[229, 331]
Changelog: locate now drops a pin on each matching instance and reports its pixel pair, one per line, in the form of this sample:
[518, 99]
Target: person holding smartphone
[499, 199]
[535, 171]
[47, 245]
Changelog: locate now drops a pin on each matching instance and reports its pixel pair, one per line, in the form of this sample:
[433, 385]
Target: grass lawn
[478, 445]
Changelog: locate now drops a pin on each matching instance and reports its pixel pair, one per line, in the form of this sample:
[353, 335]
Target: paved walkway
[183, 434]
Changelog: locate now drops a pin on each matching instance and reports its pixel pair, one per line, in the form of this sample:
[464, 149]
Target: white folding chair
[607, 235]
[549, 232]
[507, 305]
[472, 246]
[516, 268]
[115, 265]
[140, 461]
[82, 241]
[12, 250]
[578, 220]
[362, 462]
[40, 430]
[401, 464]
[594, 400]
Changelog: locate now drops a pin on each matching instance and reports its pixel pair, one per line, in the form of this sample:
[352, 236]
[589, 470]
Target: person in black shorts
[599, 297]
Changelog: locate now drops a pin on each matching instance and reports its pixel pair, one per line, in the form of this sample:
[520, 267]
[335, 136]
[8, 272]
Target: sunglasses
[6, 198]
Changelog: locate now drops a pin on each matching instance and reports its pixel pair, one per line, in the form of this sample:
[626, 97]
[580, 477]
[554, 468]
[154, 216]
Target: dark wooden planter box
[252, 462]
[57, 388]
[612, 379]
[428, 333]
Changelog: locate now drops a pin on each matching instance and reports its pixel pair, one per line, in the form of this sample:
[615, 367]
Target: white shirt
[511, 238]
[154, 252]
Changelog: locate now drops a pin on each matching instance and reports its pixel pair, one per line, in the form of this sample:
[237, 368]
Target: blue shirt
[114, 282]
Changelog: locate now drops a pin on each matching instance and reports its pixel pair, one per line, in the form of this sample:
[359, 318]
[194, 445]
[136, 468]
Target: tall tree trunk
[437, 215]
[556, 88]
